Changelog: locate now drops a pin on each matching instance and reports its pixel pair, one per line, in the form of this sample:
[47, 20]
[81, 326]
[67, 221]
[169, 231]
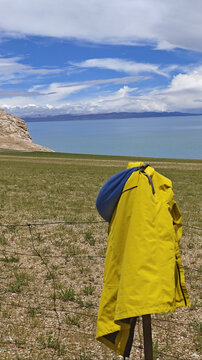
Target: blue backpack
[110, 193]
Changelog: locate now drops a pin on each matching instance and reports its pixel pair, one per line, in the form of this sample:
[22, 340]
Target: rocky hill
[14, 134]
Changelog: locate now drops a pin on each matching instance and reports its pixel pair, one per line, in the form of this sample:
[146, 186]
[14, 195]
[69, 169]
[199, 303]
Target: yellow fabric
[143, 270]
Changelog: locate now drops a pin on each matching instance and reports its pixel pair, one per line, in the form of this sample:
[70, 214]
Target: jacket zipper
[185, 301]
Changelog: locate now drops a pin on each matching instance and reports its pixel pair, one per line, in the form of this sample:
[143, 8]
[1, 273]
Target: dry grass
[51, 276]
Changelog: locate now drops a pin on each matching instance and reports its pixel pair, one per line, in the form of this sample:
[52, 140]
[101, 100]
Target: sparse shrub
[84, 357]
[50, 275]
[190, 245]
[73, 250]
[89, 238]
[21, 342]
[11, 228]
[51, 342]
[80, 302]
[15, 287]
[21, 280]
[89, 290]
[39, 238]
[11, 259]
[3, 240]
[32, 311]
[85, 270]
[72, 320]
[197, 326]
[89, 304]
[155, 349]
[23, 277]
[102, 252]
[194, 305]
[67, 294]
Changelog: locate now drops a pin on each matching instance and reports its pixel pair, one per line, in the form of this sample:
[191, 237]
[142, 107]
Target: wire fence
[74, 223]
[50, 321]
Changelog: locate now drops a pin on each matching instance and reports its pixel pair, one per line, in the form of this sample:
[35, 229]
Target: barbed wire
[178, 355]
[70, 311]
[52, 256]
[88, 256]
[176, 323]
[170, 331]
[49, 327]
[29, 295]
[57, 310]
[75, 223]
[78, 332]
[55, 223]
[49, 310]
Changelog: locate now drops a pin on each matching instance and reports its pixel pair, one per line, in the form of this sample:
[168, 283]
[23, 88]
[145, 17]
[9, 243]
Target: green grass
[47, 187]
[21, 279]
[33, 189]
[39, 154]
[11, 259]
[89, 290]
[67, 294]
[73, 320]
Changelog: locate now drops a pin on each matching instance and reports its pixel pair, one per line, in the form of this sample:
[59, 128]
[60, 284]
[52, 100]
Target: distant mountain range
[112, 115]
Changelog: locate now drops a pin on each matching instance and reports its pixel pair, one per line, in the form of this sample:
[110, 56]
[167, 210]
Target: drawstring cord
[142, 170]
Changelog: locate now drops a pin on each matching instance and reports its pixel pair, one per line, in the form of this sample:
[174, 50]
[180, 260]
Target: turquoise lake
[168, 137]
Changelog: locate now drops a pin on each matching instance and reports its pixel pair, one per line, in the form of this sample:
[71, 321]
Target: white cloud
[120, 65]
[54, 95]
[184, 93]
[165, 24]
[13, 71]
[189, 81]
[16, 92]
[57, 92]
[120, 80]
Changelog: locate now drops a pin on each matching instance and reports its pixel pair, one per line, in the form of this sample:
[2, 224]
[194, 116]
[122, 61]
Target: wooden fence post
[147, 334]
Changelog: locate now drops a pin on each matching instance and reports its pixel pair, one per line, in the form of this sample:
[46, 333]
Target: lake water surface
[169, 137]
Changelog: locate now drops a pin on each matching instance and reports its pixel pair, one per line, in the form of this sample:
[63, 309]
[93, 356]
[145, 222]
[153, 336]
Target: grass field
[51, 275]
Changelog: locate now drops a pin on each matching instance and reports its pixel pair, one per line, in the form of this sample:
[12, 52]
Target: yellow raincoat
[143, 270]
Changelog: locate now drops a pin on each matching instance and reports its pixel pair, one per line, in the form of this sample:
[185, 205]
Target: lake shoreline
[161, 137]
[93, 117]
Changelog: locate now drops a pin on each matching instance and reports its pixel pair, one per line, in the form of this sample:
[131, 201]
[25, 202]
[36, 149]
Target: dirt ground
[52, 253]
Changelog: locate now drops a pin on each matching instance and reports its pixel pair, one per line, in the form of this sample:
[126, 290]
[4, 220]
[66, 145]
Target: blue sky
[94, 56]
